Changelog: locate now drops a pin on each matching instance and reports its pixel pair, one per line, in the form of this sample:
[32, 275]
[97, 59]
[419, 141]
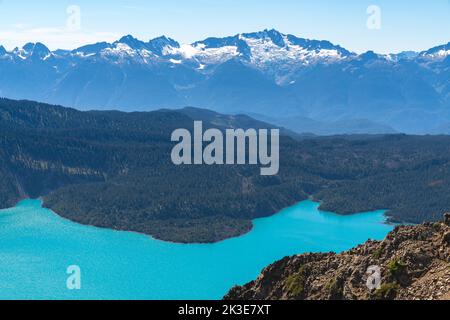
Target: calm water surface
[37, 246]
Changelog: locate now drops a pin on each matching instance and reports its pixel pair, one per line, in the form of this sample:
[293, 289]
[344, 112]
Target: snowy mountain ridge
[267, 73]
[258, 49]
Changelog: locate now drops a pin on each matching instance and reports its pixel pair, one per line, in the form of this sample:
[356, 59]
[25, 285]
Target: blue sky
[405, 25]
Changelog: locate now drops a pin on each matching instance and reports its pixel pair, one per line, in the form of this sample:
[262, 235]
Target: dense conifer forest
[113, 170]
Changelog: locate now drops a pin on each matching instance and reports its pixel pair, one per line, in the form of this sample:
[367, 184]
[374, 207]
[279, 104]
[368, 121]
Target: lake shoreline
[122, 265]
[388, 221]
[249, 230]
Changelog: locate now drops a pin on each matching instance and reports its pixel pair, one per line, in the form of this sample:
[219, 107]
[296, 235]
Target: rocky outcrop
[413, 262]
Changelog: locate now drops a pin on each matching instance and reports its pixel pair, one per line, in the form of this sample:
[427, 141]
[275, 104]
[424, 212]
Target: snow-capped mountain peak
[36, 51]
[260, 72]
[404, 55]
[437, 53]
[3, 51]
[259, 49]
[91, 49]
[269, 51]
[131, 42]
[270, 46]
[128, 47]
[273, 36]
[41, 51]
[162, 44]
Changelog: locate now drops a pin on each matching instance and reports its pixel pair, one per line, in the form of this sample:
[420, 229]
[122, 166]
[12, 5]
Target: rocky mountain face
[266, 72]
[413, 261]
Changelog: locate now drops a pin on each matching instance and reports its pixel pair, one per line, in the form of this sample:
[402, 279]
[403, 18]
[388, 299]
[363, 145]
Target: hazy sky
[405, 25]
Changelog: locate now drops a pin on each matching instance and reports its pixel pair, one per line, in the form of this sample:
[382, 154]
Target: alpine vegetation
[238, 146]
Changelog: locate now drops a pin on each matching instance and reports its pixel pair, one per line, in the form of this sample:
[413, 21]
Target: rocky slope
[414, 262]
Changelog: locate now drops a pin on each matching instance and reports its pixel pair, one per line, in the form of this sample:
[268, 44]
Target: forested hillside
[113, 169]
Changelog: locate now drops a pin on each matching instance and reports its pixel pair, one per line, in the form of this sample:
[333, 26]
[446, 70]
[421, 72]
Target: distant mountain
[303, 125]
[266, 72]
[440, 52]
[238, 121]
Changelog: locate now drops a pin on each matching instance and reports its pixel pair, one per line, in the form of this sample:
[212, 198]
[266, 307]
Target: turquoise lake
[37, 247]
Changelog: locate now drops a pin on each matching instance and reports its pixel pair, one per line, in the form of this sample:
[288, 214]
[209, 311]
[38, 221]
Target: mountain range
[269, 73]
